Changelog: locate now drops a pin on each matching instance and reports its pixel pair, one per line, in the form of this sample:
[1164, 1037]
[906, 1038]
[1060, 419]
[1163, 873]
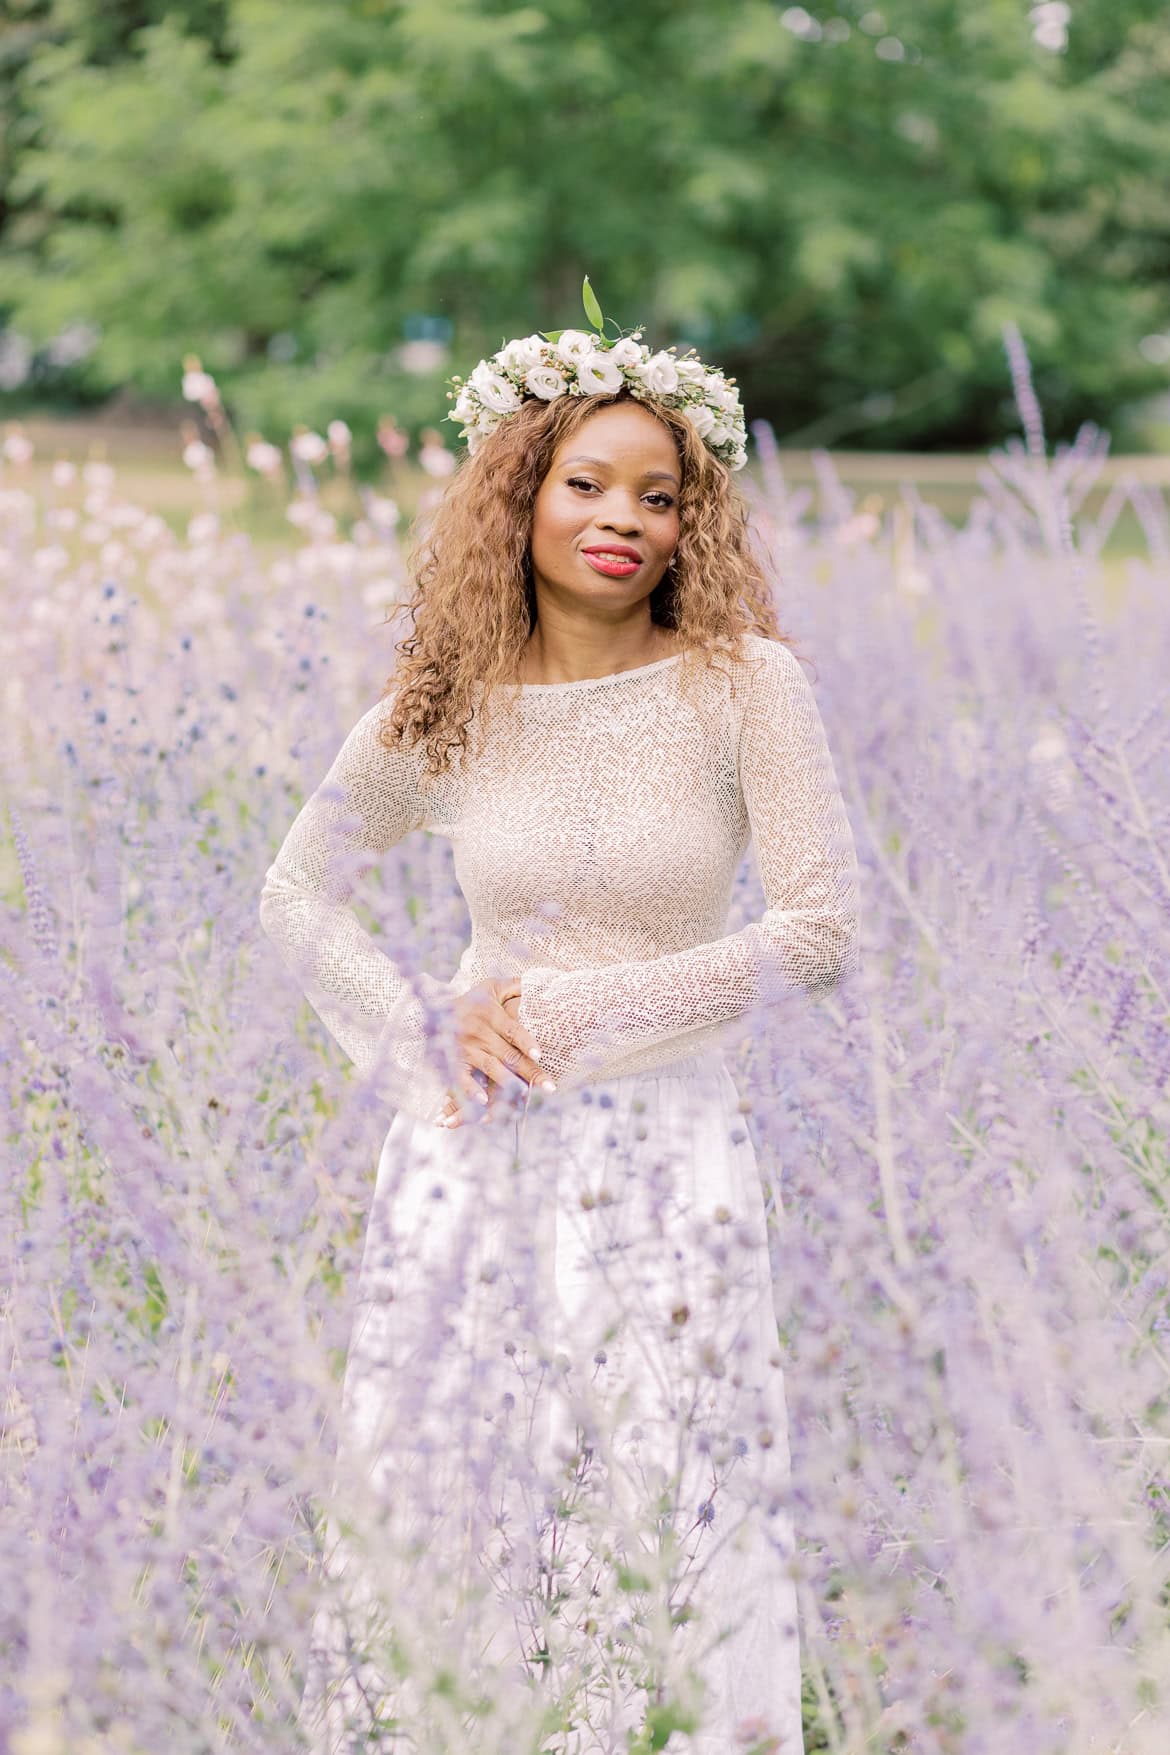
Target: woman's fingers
[494, 1042]
[452, 1113]
[472, 1086]
[519, 1050]
[495, 1069]
[450, 1116]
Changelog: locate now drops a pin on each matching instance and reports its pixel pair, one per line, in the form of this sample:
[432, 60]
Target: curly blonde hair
[474, 606]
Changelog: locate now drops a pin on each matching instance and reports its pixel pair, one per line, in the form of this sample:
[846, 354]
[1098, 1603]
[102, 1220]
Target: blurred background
[330, 208]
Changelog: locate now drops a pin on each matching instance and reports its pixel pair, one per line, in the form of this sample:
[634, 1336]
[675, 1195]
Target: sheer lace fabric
[596, 839]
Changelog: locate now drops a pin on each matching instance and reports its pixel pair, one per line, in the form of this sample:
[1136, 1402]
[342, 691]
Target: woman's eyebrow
[600, 463]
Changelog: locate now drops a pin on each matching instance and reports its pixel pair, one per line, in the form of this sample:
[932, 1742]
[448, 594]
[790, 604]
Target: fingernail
[481, 1094]
[547, 1085]
[534, 1053]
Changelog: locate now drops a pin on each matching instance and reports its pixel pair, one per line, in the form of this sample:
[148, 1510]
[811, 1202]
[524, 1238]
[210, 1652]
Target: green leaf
[592, 308]
[663, 1721]
[552, 334]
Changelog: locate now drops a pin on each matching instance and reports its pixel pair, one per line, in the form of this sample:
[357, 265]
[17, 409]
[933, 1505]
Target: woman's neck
[555, 655]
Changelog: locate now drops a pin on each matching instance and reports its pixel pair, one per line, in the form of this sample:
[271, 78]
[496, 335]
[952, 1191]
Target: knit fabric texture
[596, 839]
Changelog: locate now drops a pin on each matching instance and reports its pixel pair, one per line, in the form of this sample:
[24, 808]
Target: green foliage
[661, 1723]
[592, 308]
[292, 190]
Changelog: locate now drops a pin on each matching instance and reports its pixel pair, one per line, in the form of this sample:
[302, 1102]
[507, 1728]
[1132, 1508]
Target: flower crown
[572, 362]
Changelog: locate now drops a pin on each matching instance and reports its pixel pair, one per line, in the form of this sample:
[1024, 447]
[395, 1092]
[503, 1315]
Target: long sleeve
[807, 938]
[368, 801]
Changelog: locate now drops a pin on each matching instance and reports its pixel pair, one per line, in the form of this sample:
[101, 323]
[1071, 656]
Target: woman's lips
[615, 563]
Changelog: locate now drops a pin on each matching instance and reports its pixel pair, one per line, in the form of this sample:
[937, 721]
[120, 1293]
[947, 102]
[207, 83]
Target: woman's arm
[368, 801]
[807, 938]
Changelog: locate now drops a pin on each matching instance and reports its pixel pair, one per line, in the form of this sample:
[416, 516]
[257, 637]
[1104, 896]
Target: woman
[561, 1513]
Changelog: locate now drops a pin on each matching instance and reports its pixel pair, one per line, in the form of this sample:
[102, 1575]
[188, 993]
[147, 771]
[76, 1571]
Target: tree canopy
[841, 205]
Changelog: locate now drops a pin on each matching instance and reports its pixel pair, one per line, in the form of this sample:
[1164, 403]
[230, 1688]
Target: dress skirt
[560, 1521]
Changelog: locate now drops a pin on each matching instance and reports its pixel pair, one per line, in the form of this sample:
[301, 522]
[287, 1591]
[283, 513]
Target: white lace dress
[560, 1509]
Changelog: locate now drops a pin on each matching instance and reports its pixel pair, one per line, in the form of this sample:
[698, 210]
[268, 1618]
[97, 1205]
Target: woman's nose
[625, 517]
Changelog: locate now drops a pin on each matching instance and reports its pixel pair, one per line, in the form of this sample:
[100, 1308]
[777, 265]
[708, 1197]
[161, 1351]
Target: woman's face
[605, 523]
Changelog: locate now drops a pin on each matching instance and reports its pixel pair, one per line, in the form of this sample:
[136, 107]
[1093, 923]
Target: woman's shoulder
[765, 687]
[764, 664]
[778, 655]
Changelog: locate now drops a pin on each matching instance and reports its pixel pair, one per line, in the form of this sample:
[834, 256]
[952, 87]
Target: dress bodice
[596, 837]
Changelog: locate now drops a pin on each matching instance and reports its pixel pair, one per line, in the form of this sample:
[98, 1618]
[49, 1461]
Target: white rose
[521, 355]
[494, 390]
[546, 382]
[466, 405]
[714, 386]
[728, 399]
[700, 417]
[627, 352]
[575, 345]
[720, 434]
[738, 458]
[482, 429]
[690, 371]
[660, 374]
[597, 375]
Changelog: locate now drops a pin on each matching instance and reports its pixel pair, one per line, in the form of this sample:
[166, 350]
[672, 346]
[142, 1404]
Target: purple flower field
[966, 1147]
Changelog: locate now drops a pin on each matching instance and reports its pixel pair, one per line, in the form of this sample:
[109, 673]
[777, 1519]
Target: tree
[844, 219]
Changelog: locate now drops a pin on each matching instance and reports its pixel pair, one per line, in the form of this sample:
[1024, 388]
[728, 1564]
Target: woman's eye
[658, 500]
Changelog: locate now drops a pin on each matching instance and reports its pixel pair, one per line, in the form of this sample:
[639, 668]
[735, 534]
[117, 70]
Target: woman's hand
[493, 1041]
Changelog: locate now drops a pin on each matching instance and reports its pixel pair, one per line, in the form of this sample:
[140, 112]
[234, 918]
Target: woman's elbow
[840, 953]
[816, 951]
[269, 906]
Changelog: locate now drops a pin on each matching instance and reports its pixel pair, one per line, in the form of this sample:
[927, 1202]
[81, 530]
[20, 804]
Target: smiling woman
[477, 620]
[563, 1440]
[612, 513]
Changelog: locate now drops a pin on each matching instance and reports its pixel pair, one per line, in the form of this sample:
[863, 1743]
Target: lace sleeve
[367, 802]
[807, 938]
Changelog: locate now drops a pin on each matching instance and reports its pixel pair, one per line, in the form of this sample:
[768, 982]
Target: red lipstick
[616, 559]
